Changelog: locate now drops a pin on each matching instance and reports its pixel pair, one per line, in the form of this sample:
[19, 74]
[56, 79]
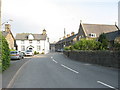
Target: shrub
[35, 53]
[68, 48]
[104, 41]
[5, 53]
[116, 46]
[42, 53]
[38, 53]
[84, 44]
[12, 50]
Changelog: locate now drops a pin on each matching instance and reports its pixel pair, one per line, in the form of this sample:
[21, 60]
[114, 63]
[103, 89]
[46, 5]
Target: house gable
[10, 40]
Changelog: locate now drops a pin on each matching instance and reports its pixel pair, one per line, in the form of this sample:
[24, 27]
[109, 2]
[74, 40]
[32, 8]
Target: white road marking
[69, 68]
[51, 57]
[106, 85]
[55, 61]
[87, 64]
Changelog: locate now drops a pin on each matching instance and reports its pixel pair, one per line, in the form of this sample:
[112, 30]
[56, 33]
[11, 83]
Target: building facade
[69, 40]
[9, 37]
[34, 42]
[91, 31]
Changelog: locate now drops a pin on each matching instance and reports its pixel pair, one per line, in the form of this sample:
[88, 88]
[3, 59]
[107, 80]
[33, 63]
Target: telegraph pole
[0, 14]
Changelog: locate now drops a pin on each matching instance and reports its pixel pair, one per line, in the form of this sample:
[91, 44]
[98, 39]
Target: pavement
[8, 75]
[55, 70]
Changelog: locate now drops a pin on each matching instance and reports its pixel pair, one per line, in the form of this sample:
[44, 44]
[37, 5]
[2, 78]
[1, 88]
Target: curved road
[55, 70]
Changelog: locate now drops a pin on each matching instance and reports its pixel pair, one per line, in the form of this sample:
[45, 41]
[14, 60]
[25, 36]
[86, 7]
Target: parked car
[16, 55]
[60, 50]
[29, 53]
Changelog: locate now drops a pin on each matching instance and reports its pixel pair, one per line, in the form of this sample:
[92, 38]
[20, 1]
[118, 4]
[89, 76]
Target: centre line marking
[69, 68]
[106, 85]
[55, 61]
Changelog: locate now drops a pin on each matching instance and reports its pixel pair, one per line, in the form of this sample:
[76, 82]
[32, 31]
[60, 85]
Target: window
[22, 42]
[38, 41]
[38, 48]
[30, 41]
[92, 35]
[22, 48]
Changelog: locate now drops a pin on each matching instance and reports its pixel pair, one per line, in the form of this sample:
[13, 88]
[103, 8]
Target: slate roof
[24, 36]
[112, 35]
[99, 28]
[67, 39]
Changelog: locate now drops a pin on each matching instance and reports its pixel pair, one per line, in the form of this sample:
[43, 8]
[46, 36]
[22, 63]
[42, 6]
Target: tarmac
[8, 75]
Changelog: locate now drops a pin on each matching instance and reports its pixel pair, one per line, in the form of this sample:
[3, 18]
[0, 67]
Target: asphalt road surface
[55, 70]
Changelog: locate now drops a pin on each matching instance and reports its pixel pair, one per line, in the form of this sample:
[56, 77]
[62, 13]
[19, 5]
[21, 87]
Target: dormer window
[93, 35]
[30, 37]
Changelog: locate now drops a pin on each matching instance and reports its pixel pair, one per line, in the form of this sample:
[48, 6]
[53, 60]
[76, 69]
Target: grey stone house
[90, 31]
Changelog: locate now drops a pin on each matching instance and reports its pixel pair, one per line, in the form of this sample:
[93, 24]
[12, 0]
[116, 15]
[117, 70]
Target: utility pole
[0, 14]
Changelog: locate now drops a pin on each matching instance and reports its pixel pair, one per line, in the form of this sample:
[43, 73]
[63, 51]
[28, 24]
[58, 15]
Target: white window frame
[38, 48]
[38, 41]
[22, 48]
[22, 42]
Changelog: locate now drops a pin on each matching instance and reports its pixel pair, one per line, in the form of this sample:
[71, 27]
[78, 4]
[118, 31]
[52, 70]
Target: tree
[5, 53]
[104, 41]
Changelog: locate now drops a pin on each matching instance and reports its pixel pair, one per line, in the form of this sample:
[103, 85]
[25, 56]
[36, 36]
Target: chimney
[44, 32]
[72, 33]
[68, 35]
[7, 27]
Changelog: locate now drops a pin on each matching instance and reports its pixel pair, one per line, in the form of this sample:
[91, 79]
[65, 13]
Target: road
[55, 70]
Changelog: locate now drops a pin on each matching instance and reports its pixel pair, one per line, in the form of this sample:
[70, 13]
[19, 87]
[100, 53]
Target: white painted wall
[119, 14]
[44, 44]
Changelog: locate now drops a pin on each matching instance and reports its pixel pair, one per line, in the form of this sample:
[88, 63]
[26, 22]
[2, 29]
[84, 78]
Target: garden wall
[104, 58]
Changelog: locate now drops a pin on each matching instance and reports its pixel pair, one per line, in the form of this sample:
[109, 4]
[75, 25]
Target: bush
[69, 48]
[84, 44]
[104, 41]
[35, 53]
[5, 53]
[12, 50]
[42, 53]
[38, 53]
[116, 46]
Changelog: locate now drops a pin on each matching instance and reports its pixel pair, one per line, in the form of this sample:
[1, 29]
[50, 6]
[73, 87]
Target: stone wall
[104, 58]
[10, 41]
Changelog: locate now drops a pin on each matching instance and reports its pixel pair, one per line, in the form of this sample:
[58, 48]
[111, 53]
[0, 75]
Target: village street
[55, 70]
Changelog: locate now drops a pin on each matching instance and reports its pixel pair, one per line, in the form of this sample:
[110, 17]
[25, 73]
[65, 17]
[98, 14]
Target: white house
[35, 42]
[119, 14]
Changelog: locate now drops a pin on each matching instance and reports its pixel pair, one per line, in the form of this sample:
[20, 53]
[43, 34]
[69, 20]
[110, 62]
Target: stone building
[69, 40]
[9, 37]
[90, 31]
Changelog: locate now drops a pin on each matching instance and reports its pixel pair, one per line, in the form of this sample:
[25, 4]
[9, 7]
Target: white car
[29, 53]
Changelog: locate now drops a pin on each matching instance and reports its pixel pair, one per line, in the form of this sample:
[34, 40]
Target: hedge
[5, 53]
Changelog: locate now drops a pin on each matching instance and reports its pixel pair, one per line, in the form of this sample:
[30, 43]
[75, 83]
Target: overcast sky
[32, 16]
